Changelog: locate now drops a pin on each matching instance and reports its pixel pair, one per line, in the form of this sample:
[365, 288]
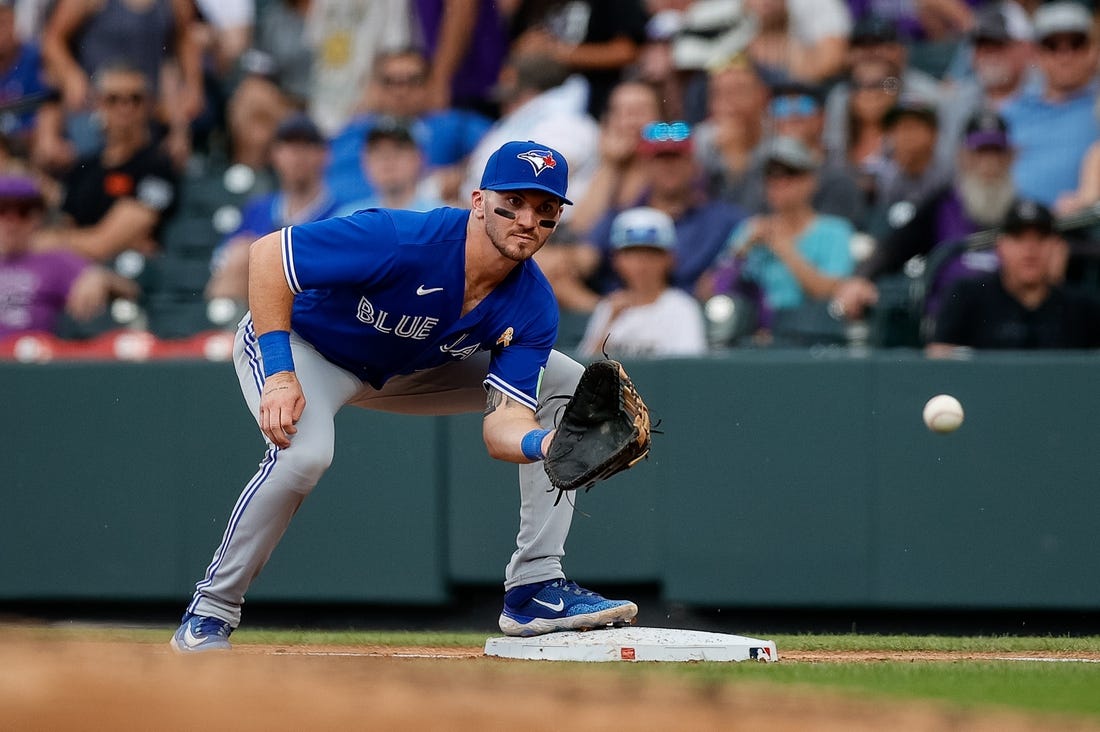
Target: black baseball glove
[604, 429]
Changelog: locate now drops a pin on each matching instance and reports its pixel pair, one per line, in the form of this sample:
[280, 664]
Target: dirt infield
[50, 685]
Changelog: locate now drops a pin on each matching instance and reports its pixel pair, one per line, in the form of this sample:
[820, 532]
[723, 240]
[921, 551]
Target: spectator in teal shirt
[792, 258]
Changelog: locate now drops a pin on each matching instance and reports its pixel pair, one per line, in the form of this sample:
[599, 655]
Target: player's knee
[306, 465]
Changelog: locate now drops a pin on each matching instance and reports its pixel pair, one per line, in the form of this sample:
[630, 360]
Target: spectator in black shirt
[116, 199]
[1019, 307]
[596, 39]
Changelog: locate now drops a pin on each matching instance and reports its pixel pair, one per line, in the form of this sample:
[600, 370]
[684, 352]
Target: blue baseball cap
[519, 166]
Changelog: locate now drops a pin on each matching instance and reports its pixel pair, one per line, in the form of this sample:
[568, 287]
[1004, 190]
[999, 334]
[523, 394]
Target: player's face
[517, 229]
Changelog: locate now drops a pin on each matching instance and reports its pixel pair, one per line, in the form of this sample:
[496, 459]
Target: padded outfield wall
[789, 479]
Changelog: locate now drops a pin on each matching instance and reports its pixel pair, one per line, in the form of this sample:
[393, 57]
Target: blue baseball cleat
[547, 607]
[200, 633]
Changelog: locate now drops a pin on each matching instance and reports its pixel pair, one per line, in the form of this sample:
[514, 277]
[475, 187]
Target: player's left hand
[281, 406]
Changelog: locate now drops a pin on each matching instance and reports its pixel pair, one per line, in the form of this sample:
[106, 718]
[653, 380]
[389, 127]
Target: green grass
[1067, 688]
[971, 644]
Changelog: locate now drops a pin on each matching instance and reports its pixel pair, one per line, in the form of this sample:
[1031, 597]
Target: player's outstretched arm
[511, 431]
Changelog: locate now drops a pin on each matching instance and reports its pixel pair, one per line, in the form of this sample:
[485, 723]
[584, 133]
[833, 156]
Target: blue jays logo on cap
[542, 168]
[540, 160]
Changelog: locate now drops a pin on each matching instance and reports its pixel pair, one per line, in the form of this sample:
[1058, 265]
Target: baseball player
[430, 313]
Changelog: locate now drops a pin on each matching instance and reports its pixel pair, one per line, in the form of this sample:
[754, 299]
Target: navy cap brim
[529, 186]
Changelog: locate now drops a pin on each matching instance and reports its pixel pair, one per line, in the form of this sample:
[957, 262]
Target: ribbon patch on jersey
[506, 337]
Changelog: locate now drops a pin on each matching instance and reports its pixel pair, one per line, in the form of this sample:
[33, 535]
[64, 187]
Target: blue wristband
[275, 348]
[532, 444]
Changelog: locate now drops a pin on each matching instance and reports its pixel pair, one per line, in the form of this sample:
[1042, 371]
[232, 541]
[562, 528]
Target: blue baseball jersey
[380, 293]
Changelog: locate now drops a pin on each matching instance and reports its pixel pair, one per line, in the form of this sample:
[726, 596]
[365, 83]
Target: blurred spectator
[646, 317]
[702, 223]
[995, 70]
[683, 40]
[620, 176]
[274, 77]
[874, 89]
[394, 165]
[281, 53]
[298, 157]
[727, 140]
[36, 288]
[931, 29]
[799, 40]
[911, 172]
[30, 17]
[978, 199]
[22, 85]
[690, 39]
[918, 20]
[798, 111]
[993, 20]
[155, 37]
[253, 112]
[466, 43]
[347, 36]
[399, 89]
[791, 258]
[118, 198]
[1052, 127]
[1087, 192]
[595, 38]
[997, 59]
[1021, 306]
[539, 101]
[228, 25]
[874, 42]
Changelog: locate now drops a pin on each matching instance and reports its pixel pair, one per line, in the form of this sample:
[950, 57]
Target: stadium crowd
[747, 173]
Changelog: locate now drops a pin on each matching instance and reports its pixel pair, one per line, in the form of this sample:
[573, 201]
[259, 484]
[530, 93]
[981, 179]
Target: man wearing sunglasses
[118, 198]
[1053, 126]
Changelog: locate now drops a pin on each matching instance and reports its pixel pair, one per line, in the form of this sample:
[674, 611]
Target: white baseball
[943, 413]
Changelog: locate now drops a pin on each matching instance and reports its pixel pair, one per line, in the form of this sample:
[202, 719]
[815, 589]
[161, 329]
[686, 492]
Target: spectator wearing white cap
[1053, 126]
[646, 317]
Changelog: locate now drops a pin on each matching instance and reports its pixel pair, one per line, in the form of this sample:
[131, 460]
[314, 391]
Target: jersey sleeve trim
[288, 260]
[504, 387]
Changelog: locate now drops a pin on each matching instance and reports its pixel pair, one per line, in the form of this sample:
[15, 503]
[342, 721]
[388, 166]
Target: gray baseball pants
[269, 501]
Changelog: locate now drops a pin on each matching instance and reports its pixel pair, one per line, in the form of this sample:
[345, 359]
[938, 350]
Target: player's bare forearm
[270, 300]
[269, 296]
[504, 426]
